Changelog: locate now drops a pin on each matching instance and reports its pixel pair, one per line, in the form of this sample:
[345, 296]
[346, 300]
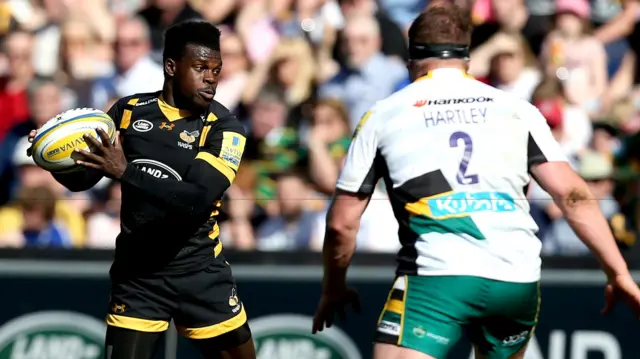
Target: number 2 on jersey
[462, 176]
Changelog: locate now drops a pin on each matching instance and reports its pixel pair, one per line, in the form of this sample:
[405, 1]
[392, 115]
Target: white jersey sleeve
[542, 146]
[361, 170]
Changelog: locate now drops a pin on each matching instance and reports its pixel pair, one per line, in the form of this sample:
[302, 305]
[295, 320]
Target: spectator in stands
[135, 72]
[29, 175]
[512, 16]
[104, 226]
[597, 171]
[235, 72]
[393, 40]
[318, 20]
[272, 148]
[13, 86]
[359, 84]
[506, 62]
[45, 103]
[81, 61]
[571, 122]
[378, 231]
[575, 56]
[614, 22]
[292, 228]
[160, 15]
[327, 143]
[292, 68]
[37, 226]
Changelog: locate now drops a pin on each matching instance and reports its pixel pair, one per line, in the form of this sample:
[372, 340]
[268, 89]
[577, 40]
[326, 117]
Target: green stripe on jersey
[461, 225]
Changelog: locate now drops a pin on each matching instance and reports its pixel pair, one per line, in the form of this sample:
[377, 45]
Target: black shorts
[203, 304]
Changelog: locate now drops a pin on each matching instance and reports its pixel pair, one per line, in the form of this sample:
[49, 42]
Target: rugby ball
[55, 142]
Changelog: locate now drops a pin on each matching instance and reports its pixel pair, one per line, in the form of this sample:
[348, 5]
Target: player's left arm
[209, 175]
[354, 188]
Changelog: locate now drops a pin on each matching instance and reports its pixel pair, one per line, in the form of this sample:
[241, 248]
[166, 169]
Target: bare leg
[389, 351]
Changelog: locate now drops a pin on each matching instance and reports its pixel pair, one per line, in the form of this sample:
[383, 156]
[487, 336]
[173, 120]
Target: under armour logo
[167, 126]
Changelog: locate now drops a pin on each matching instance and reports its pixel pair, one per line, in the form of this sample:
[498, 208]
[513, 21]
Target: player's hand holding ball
[77, 139]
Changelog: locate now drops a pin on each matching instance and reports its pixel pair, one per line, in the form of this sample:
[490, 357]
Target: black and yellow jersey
[180, 164]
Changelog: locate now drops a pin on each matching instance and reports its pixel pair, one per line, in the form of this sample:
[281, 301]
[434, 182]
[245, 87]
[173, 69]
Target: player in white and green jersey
[456, 156]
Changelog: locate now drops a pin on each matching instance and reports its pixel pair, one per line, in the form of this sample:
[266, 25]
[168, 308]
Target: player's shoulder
[138, 99]
[222, 119]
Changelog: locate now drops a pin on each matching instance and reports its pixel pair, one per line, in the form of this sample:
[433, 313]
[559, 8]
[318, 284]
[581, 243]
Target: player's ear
[170, 67]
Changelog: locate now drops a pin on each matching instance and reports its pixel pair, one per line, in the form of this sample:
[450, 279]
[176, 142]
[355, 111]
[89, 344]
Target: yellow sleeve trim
[218, 164]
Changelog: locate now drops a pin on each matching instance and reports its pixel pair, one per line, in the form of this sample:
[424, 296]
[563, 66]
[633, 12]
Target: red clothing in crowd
[14, 108]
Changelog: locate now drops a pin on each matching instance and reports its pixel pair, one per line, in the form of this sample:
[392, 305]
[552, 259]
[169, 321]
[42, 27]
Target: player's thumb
[609, 299]
[116, 141]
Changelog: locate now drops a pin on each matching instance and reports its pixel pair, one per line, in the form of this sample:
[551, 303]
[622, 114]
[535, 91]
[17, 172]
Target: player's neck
[427, 66]
[174, 101]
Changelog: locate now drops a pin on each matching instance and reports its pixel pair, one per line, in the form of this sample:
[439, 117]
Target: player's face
[197, 75]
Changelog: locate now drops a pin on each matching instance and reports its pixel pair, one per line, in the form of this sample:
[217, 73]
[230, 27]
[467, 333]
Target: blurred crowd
[299, 74]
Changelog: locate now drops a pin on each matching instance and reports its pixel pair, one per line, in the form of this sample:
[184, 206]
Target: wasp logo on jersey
[462, 204]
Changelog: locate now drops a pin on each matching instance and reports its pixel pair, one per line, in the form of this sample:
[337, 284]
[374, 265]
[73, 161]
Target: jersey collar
[170, 112]
[444, 72]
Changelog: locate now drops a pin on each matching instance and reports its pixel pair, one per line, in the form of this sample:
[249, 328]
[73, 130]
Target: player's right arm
[549, 167]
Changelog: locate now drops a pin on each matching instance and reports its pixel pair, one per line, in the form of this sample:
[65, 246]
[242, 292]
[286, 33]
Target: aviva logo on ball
[52, 335]
[286, 336]
[55, 142]
[64, 147]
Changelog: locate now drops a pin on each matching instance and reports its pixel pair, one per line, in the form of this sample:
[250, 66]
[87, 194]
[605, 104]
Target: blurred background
[299, 74]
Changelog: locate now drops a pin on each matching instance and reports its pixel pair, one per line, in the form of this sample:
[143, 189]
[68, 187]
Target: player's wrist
[127, 173]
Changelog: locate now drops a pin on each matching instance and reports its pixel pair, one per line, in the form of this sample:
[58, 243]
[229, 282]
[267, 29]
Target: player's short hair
[442, 23]
[190, 32]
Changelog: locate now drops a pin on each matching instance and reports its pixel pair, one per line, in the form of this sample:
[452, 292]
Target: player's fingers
[318, 321]
[328, 318]
[609, 300]
[89, 164]
[32, 135]
[92, 141]
[116, 142]
[106, 141]
[89, 156]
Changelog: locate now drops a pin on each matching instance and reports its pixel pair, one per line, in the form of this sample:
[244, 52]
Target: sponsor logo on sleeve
[232, 149]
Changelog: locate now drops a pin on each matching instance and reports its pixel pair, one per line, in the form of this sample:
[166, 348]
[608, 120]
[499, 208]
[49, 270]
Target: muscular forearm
[583, 215]
[188, 197]
[323, 169]
[339, 247]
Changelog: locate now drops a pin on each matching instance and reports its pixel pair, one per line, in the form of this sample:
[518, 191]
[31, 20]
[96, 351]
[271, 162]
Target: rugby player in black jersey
[176, 153]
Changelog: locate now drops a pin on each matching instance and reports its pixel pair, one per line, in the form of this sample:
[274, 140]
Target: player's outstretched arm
[582, 212]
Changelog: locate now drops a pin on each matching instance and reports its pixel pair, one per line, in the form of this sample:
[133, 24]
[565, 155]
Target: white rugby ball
[54, 144]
